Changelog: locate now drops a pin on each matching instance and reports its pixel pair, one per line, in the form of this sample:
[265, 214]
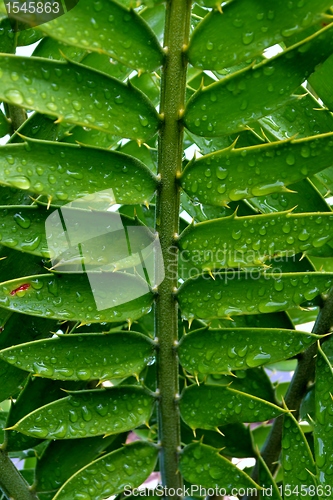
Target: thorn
[136, 376]
[59, 120]
[146, 204]
[193, 430]
[129, 323]
[211, 274]
[49, 200]
[196, 379]
[190, 321]
[219, 431]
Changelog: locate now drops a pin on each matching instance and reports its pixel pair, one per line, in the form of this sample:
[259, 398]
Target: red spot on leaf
[20, 288]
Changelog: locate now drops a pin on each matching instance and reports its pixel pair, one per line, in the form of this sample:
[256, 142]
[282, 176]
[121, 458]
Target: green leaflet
[66, 171]
[248, 292]
[255, 382]
[220, 351]
[246, 27]
[24, 228]
[110, 29]
[37, 392]
[17, 330]
[303, 117]
[7, 38]
[256, 91]
[210, 406]
[304, 198]
[248, 241]
[297, 461]
[323, 427]
[267, 481]
[319, 81]
[70, 297]
[235, 441]
[65, 457]
[84, 357]
[89, 413]
[204, 466]
[76, 94]
[120, 470]
[11, 380]
[233, 174]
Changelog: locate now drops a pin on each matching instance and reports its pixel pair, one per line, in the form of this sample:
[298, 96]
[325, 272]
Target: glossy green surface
[30, 230]
[297, 460]
[220, 351]
[324, 416]
[84, 357]
[248, 292]
[320, 79]
[237, 173]
[210, 406]
[204, 466]
[249, 241]
[76, 94]
[70, 297]
[89, 413]
[256, 91]
[66, 172]
[247, 27]
[122, 469]
[111, 29]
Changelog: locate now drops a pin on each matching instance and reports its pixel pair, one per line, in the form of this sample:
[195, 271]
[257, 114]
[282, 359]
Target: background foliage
[254, 264]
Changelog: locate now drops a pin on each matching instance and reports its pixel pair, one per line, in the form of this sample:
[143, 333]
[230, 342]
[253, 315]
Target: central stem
[173, 86]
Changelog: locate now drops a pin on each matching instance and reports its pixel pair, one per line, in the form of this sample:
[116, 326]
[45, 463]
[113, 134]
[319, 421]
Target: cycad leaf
[304, 198]
[246, 27]
[76, 94]
[320, 79]
[37, 392]
[236, 173]
[204, 466]
[303, 117]
[83, 357]
[122, 469]
[24, 228]
[89, 413]
[236, 292]
[248, 241]
[63, 458]
[324, 415]
[267, 481]
[71, 297]
[220, 351]
[110, 29]
[237, 96]
[210, 406]
[297, 461]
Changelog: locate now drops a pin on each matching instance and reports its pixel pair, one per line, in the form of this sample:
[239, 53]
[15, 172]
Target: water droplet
[144, 121]
[247, 38]
[77, 105]
[23, 222]
[86, 413]
[209, 45]
[290, 160]
[20, 182]
[215, 472]
[14, 96]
